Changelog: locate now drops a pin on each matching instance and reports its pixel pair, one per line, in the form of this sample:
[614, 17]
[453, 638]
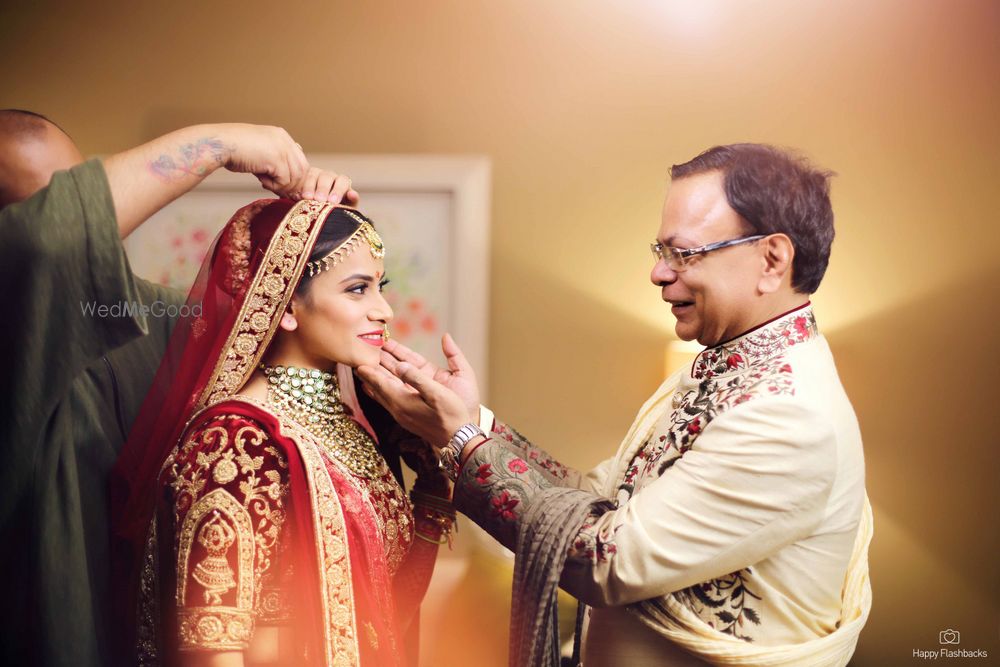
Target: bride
[265, 525]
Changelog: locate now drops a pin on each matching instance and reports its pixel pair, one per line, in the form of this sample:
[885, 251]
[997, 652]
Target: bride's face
[342, 314]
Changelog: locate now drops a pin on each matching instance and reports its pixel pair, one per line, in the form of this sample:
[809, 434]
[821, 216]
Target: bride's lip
[373, 338]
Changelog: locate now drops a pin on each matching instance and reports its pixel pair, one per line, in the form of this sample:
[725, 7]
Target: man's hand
[459, 376]
[146, 178]
[419, 403]
[322, 185]
[270, 154]
[267, 152]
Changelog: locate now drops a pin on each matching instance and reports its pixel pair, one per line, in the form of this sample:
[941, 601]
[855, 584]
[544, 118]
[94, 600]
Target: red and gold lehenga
[235, 514]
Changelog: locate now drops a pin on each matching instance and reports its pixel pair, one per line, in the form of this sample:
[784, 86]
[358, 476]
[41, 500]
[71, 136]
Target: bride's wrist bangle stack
[437, 516]
[434, 482]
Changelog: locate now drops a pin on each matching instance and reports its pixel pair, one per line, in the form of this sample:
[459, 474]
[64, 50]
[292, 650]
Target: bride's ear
[288, 321]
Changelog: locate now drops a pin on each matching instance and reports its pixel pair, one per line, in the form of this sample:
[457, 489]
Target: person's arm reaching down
[146, 178]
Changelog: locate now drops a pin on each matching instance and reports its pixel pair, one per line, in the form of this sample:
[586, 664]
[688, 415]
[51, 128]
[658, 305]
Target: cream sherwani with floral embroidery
[742, 500]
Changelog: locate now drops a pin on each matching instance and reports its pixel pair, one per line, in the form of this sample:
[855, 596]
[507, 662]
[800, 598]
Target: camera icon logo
[949, 636]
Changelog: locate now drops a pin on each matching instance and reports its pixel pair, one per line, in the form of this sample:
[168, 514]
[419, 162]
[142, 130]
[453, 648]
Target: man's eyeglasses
[678, 259]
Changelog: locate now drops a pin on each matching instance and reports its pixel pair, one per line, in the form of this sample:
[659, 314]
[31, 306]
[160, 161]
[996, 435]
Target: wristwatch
[451, 454]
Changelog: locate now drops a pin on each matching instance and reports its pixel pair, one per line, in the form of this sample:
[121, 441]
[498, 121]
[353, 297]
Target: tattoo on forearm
[193, 159]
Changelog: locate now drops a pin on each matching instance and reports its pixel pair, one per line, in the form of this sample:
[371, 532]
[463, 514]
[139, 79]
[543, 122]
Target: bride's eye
[382, 284]
[360, 288]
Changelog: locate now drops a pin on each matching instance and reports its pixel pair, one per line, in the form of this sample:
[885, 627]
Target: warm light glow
[680, 354]
[582, 112]
[688, 18]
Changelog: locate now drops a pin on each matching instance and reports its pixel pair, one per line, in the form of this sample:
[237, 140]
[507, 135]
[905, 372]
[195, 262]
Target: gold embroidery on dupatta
[372, 635]
[238, 249]
[333, 556]
[268, 296]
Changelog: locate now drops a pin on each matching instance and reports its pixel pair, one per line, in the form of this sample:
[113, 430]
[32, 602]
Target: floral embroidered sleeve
[536, 457]
[228, 483]
[497, 480]
[493, 487]
[756, 480]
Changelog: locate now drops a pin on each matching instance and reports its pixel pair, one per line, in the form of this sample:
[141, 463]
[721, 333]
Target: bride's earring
[288, 322]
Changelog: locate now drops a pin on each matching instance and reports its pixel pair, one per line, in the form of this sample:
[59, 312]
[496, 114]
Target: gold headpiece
[364, 233]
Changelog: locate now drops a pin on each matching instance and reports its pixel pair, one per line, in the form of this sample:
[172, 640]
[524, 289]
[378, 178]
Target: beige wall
[583, 106]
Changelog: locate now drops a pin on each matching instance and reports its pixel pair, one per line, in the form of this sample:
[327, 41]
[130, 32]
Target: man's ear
[776, 262]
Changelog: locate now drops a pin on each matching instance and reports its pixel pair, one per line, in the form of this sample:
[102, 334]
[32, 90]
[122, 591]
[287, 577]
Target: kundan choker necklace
[312, 398]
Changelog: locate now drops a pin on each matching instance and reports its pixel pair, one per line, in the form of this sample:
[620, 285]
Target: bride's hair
[337, 228]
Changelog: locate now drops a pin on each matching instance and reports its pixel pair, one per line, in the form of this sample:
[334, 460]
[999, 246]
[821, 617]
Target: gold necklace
[312, 398]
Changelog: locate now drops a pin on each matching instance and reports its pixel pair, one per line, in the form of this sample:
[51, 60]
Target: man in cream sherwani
[739, 526]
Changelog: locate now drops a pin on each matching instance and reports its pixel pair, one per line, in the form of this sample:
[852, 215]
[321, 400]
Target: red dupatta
[233, 310]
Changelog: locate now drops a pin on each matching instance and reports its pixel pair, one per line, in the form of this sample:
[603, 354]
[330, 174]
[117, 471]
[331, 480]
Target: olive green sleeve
[69, 294]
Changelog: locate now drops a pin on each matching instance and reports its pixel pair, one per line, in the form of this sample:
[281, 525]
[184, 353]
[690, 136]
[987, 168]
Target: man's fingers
[453, 353]
[299, 158]
[311, 185]
[340, 187]
[391, 346]
[352, 197]
[296, 184]
[297, 188]
[377, 380]
[385, 384]
[403, 353]
[281, 176]
[369, 379]
[426, 386]
[297, 164]
[267, 182]
[389, 362]
[324, 183]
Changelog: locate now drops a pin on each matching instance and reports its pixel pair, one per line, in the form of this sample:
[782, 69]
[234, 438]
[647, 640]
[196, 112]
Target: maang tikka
[365, 233]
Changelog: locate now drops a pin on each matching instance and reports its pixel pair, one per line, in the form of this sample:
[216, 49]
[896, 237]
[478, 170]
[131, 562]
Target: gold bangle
[442, 505]
[443, 540]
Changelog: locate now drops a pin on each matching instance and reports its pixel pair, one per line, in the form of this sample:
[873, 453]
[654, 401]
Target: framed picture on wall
[432, 211]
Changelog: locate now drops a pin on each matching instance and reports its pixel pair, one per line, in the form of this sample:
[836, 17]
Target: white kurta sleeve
[594, 480]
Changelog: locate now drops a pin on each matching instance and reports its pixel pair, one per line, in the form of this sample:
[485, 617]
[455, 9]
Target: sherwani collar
[758, 344]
